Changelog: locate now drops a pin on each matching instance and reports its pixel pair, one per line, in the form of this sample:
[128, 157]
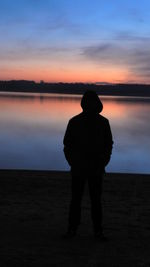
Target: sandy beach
[33, 217]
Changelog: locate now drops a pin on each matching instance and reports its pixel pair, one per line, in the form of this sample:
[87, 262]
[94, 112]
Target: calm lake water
[32, 129]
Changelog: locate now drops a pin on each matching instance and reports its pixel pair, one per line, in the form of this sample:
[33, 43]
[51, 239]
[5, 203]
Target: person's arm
[108, 143]
[68, 143]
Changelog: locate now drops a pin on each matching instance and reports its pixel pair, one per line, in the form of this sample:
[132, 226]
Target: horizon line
[79, 82]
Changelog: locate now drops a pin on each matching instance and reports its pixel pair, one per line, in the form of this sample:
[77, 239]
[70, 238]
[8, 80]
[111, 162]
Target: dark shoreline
[57, 174]
[24, 86]
[34, 213]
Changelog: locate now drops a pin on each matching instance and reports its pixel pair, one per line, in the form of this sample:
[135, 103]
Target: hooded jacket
[88, 138]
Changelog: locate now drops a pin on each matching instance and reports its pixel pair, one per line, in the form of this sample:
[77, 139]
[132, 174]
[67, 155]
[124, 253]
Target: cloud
[127, 36]
[104, 53]
[140, 61]
[32, 53]
[61, 22]
[135, 57]
[135, 14]
[129, 12]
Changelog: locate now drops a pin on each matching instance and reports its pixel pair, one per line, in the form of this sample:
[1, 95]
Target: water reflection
[32, 130]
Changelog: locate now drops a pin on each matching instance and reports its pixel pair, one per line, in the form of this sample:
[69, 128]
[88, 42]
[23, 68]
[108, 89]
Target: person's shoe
[100, 236]
[70, 234]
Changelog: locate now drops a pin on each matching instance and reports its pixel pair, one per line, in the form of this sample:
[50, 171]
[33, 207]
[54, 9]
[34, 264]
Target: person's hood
[90, 102]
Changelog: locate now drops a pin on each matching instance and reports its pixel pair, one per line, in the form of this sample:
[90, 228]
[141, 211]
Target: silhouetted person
[87, 147]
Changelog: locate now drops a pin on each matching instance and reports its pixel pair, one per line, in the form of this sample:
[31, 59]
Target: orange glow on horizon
[69, 73]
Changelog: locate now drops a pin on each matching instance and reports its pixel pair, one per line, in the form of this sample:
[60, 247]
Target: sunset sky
[75, 40]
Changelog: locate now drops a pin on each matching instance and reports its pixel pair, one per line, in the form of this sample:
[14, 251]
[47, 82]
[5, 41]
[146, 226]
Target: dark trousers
[95, 191]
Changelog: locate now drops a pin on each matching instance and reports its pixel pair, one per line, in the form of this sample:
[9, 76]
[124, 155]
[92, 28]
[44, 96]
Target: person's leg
[95, 190]
[78, 183]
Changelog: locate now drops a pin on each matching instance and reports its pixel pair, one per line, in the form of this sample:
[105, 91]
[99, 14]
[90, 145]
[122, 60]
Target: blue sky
[75, 40]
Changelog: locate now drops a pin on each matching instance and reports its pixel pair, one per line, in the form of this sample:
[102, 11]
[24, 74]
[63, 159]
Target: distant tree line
[75, 88]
